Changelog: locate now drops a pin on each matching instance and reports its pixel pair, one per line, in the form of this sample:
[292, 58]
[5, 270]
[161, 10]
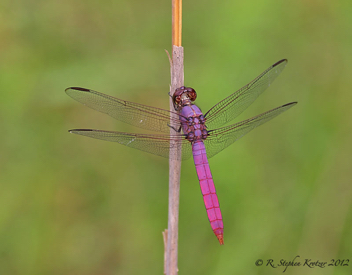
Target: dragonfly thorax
[193, 125]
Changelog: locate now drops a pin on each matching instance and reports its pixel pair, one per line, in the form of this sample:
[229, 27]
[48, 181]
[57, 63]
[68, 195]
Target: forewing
[138, 115]
[232, 106]
[155, 144]
[221, 138]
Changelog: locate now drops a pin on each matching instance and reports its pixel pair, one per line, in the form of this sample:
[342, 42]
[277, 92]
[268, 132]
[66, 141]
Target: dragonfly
[193, 132]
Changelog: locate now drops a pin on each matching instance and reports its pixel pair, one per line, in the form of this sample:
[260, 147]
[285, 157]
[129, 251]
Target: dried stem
[176, 22]
[177, 79]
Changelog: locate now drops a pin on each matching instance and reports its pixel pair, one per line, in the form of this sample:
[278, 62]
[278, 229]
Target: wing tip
[73, 131]
[77, 88]
[280, 61]
[290, 104]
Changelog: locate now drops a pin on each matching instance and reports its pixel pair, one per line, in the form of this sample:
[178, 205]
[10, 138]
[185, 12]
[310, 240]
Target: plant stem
[177, 80]
[176, 22]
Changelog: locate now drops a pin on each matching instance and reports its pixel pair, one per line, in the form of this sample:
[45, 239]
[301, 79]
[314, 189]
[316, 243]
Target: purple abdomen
[208, 189]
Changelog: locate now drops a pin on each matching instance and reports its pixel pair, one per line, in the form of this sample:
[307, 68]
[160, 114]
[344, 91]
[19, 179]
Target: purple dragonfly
[200, 135]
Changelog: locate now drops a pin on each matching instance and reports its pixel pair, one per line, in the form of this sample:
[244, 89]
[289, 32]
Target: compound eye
[176, 99]
[192, 94]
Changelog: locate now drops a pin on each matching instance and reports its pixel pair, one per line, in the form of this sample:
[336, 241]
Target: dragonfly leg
[172, 127]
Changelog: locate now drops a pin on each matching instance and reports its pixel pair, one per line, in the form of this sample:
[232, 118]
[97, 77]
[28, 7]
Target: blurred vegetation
[73, 205]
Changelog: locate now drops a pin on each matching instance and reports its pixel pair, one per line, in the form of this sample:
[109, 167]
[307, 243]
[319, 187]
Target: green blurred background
[74, 205]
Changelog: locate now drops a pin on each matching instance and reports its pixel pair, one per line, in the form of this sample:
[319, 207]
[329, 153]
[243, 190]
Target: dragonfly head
[183, 96]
